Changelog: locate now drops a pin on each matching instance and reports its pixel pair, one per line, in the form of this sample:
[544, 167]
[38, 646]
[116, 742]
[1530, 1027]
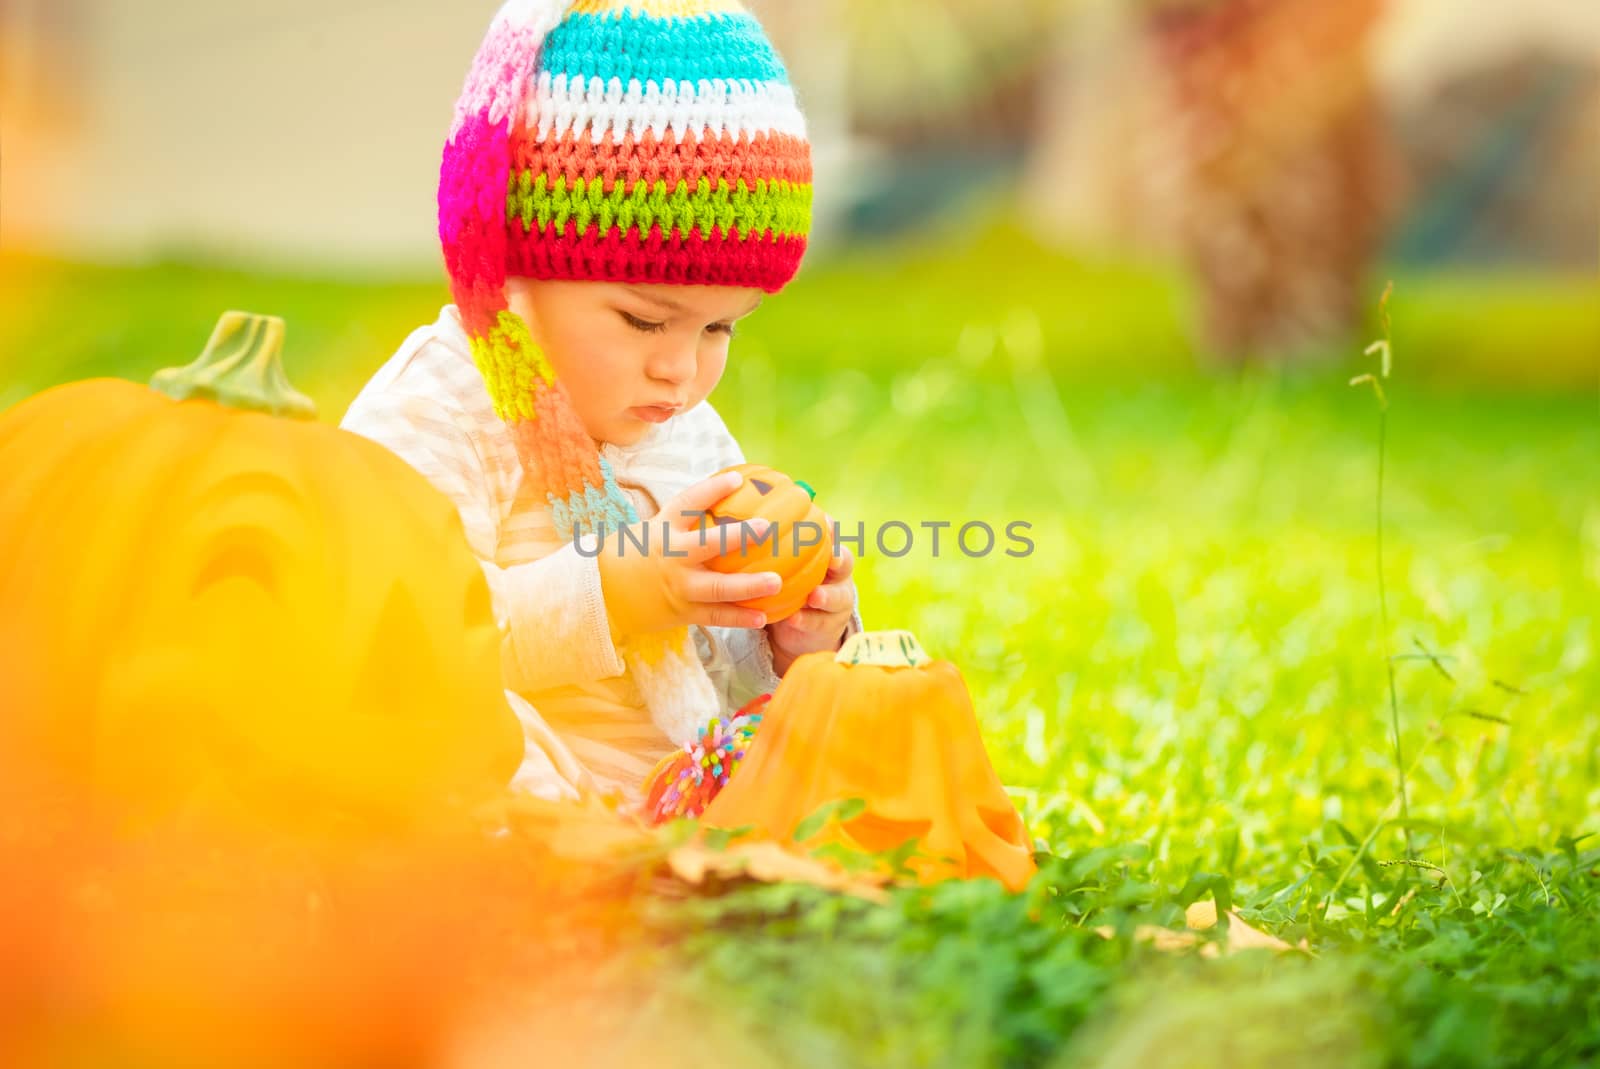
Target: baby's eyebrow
[660, 302]
[670, 305]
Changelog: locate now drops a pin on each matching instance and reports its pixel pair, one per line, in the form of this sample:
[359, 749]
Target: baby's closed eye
[648, 326]
[644, 326]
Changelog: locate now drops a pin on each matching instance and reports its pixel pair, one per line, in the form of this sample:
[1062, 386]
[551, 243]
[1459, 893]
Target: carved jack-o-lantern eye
[762, 488]
[397, 664]
[246, 553]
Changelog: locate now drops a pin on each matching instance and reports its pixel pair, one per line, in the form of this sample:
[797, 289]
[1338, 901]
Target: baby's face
[632, 355]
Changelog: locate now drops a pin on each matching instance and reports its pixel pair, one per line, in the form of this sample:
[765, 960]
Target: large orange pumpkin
[770, 495]
[198, 596]
[881, 722]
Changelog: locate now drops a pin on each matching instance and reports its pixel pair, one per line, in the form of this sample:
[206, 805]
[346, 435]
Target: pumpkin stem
[242, 367]
[886, 649]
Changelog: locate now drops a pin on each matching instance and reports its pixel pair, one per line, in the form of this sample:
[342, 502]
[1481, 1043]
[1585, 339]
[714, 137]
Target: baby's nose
[673, 363]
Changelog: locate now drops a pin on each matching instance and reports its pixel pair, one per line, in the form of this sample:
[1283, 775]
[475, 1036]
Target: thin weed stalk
[1384, 350]
[1366, 843]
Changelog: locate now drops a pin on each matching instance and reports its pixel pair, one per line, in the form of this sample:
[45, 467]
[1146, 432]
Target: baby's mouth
[654, 413]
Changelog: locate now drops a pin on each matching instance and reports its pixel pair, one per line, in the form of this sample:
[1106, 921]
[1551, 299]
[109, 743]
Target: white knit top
[584, 720]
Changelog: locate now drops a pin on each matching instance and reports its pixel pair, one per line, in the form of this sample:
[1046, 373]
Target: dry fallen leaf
[590, 829]
[1161, 938]
[595, 832]
[1241, 936]
[768, 862]
[1199, 917]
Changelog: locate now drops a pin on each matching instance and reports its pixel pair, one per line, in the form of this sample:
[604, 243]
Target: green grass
[1184, 683]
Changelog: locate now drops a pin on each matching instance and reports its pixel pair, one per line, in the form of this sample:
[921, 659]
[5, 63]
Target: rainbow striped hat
[627, 141]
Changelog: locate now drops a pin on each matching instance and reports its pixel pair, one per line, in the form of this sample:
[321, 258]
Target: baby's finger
[711, 588]
[728, 616]
[684, 511]
[832, 598]
[813, 622]
[840, 564]
[722, 540]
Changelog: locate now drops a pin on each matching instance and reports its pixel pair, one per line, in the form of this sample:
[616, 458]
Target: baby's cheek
[711, 366]
[598, 394]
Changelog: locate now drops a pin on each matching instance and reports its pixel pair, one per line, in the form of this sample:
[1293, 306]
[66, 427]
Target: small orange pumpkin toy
[772, 496]
[882, 722]
[203, 588]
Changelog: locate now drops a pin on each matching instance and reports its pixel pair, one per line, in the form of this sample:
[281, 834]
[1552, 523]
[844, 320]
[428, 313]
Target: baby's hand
[820, 625]
[667, 584]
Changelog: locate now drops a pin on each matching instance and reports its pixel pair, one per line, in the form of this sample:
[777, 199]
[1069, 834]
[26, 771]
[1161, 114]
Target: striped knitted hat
[626, 141]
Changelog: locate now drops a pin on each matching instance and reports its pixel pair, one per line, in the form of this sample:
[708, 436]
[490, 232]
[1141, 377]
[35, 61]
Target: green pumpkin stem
[242, 367]
[886, 649]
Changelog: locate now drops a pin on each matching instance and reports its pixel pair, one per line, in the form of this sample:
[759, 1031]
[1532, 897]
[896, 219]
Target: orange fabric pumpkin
[882, 722]
[195, 595]
[771, 495]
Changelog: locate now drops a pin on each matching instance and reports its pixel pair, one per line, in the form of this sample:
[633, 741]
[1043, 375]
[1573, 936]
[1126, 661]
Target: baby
[623, 182]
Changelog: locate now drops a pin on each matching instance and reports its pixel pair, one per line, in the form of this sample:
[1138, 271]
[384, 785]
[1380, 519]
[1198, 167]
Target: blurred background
[1274, 156]
[1106, 267]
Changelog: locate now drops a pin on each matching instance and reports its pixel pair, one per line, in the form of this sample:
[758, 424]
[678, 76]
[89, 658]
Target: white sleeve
[552, 611]
[549, 770]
